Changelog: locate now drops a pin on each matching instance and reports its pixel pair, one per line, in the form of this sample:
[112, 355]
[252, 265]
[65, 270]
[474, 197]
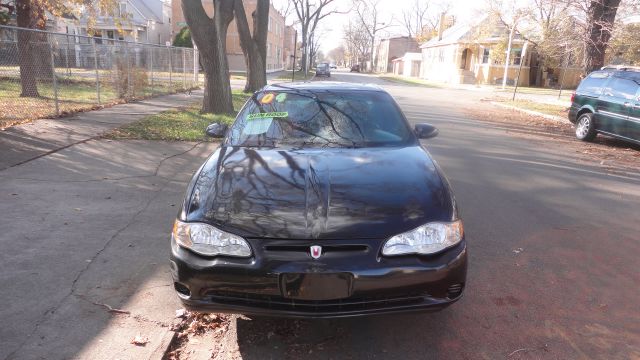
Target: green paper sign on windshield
[268, 115]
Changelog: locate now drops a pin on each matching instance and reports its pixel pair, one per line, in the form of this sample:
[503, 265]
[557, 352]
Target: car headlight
[207, 240]
[426, 239]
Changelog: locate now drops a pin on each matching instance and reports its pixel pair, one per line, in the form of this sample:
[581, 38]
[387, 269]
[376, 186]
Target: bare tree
[210, 35]
[415, 19]
[601, 16]
[370, 19]
[624, 47]
[254, 46]
[357, 42]
[309, 13]
[337, 55]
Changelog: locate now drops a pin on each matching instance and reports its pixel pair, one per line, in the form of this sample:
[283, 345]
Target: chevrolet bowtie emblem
[316, 251]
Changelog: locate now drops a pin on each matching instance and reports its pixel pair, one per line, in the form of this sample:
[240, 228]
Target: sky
[391, 10]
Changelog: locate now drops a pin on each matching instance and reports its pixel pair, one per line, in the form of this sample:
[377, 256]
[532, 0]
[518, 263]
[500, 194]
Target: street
[553, 243]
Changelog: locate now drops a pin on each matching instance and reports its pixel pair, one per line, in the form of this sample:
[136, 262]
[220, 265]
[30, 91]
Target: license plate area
[311, 286]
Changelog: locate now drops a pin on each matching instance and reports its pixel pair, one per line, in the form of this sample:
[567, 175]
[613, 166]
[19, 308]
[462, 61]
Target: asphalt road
[553, 246]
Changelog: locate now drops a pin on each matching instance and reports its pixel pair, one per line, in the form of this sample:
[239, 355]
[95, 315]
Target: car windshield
[319, 119]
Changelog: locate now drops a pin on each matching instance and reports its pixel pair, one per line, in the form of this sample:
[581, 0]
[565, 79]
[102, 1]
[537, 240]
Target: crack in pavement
[106, 245]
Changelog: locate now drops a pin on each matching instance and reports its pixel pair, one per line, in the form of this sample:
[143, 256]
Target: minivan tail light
[573, 96]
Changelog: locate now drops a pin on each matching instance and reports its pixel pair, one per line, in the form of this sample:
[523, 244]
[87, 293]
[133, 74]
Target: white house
[146, 21]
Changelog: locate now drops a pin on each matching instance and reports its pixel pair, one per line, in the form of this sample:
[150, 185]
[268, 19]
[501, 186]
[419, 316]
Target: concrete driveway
[553, 244]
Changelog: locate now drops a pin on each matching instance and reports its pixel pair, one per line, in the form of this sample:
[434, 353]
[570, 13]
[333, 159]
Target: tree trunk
[24, 14]
[254, 46]
[602, 14]
[210, 36]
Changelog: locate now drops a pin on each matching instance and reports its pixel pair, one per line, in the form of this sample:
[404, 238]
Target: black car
[355, 68]
[608, 102]
[323, 70]
[320, 202]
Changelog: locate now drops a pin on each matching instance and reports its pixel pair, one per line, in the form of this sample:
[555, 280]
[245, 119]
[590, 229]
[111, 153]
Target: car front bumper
[349, 279]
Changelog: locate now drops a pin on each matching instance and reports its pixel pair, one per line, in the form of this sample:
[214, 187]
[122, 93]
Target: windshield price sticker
[267, 99]
[281, 97]
[281, 114]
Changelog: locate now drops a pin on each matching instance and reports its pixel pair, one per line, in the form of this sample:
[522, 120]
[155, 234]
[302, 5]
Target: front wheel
[585, 127]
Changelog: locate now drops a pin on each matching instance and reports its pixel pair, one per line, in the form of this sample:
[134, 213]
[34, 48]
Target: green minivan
[608, 102]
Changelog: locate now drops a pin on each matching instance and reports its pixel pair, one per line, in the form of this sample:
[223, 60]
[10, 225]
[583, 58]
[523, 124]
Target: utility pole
[293, 65]
[506, 63]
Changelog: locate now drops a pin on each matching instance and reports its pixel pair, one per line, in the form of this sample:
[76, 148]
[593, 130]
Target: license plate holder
[311, 286]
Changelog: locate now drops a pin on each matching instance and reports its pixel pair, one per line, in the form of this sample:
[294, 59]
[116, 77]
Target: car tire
[585, 127]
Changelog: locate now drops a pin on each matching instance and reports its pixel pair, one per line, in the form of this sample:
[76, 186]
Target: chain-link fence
[44, 74]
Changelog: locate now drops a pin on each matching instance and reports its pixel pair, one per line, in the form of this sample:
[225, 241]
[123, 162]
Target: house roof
[450, 36]
[463, 32]
[409, 56]
[145, 11]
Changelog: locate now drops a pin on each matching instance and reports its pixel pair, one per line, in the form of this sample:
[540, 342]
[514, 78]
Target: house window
[517, 57]
[485, 56]
[269, 24]
[441, 55]
[110, 34]
[123, 9]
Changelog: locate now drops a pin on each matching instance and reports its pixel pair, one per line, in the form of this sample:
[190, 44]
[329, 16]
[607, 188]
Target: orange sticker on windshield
[267, 99]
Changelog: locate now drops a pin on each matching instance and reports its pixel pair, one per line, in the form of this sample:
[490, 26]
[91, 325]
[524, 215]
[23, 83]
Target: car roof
[622, 73]
[323, 86]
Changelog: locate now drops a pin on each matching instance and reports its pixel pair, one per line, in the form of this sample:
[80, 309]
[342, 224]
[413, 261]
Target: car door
[612, 109]
[634, 118]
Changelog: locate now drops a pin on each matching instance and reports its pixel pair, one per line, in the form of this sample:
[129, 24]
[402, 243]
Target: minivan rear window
[593, 84]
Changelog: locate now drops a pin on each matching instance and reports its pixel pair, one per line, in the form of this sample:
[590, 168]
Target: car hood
[318, 193]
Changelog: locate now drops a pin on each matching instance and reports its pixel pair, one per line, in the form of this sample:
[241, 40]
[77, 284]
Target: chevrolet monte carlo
[320, 202]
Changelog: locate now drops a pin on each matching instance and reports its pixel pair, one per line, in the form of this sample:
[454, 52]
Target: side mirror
[216, 130]
[426, 131]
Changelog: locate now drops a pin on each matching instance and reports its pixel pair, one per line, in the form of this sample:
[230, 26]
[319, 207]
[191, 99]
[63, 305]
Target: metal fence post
[184, 70]
[126, 56]
[170, 70]
[151, 69]
[95, 66]
[67, 56]
[196, 66]
[53, 74]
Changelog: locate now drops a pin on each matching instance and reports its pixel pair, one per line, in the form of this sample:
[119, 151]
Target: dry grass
[182, 124]
[73, 96]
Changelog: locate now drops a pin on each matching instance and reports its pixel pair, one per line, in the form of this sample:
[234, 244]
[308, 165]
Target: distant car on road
[355, 68]
[333, 66]
[323, 69]
[320, 202]
[608, 102]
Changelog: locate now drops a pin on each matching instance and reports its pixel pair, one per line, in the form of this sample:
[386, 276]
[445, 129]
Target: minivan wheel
[585, 128]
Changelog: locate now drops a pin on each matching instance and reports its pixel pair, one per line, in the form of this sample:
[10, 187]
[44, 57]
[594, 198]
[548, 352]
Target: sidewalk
[85, 230]
[22, 143]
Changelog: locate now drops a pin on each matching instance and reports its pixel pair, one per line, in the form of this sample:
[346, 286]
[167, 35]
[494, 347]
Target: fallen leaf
[140, 340]
[181, 313]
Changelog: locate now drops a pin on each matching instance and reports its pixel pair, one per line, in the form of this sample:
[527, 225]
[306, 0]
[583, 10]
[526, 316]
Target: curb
[162, 349]
[531, 112]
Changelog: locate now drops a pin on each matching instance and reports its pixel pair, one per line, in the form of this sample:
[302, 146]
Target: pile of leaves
[193, 323]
